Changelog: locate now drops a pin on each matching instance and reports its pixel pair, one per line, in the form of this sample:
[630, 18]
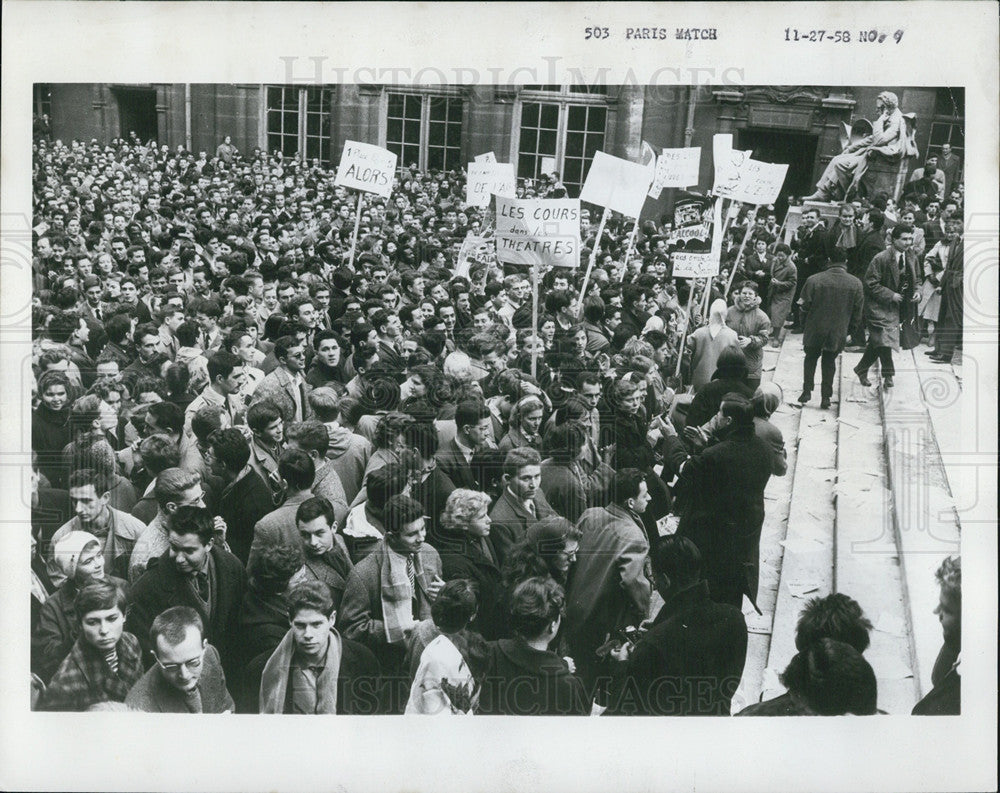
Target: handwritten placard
[676, 168]
[366, 167]
[543, 231]
[486, 179]
[487, 157]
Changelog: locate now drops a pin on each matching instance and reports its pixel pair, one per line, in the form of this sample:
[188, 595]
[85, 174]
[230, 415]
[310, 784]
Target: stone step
[866, 564]
[807, 552]
[926, 397]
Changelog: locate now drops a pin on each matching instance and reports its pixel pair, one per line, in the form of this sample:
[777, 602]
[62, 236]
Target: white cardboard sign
[366, 167]
[616, 184]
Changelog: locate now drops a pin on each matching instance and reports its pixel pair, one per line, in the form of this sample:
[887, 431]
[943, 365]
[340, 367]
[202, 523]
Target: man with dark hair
[390, 590]
[690, 661]
[195, 572]
[326, 557]
[389, 328]
[522, 676]
[297, 472]
[473, 425]
[720, 500]
[173, 488]
[314, 669]
[245, 498]
[266, 442]
[323, 370]
[365, 524]
[312, 438]
[429, 485]
[286, 386]
[593, 317]
[149, 357]
[831, 305]
[105, 661]
[187, 676]
[225, 382]
[809, 245]
[827, 678]
[89, 495]
[609, 589]
[522, 502]
[890, 281]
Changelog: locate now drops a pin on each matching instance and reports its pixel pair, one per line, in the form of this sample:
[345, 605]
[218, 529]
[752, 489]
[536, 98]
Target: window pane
[435, 158]
[547, 142]
[529, 115]
[413, 107]
[411, 132]
[455, 110]
[526, 166]
[596, 118]
[529, 140]
[273, 122]
[572, 171]
[455, 136]
[290, 124]
[435, 134]
[395, 105]
[577, 118]
[574, 144]
[550, 116]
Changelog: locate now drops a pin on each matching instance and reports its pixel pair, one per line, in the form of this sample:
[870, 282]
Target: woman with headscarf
[80, 558]
[707, 343]
[888, 138]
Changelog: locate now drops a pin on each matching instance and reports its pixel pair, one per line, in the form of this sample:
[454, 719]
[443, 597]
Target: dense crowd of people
[275, 471]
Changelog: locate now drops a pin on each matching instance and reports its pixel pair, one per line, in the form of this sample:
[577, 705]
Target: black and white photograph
[391, 393]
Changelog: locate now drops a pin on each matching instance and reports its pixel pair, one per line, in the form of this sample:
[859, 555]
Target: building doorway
[137, 113]
[798, 149]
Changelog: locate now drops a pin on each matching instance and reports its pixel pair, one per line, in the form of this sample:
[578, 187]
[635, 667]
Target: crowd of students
[276, 471]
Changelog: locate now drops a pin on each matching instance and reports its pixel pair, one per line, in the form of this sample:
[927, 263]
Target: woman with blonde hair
[467, 552]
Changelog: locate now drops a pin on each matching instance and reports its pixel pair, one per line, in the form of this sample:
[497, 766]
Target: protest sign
[548, 166]
[695, 263]
[538, 231]
[676, 168]
[367, 168]
[486, 179]
[488, 157]
[727, 163]
[760, 182]
[616, 184]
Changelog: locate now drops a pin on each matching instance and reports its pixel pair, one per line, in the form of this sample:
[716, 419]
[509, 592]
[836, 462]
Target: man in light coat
[890, 280]
[610, 589]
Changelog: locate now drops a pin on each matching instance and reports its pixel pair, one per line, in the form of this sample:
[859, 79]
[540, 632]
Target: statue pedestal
[884, 175]
[828, 211]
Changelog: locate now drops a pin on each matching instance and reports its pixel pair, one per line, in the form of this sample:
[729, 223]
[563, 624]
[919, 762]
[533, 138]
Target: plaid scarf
[85, 678]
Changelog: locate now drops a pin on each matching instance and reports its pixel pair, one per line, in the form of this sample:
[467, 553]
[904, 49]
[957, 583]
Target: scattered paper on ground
[887, 623]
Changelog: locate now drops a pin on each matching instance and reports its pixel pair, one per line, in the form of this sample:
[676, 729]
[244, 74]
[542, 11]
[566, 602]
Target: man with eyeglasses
[187, 676]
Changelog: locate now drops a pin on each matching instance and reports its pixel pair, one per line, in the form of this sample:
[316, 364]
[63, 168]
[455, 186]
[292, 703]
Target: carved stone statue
[887, 142]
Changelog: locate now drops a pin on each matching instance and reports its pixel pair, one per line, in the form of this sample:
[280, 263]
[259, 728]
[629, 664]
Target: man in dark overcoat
[720, 494]
[948, 333]
[831, 304]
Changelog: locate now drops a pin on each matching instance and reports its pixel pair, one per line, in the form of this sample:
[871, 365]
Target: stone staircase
[864, 509]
